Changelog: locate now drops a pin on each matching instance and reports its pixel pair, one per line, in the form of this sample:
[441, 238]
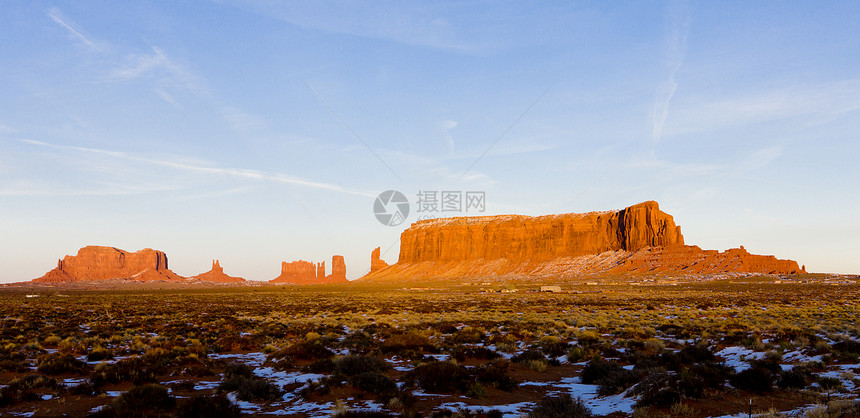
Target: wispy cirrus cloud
[810, 103]
[74, 30]
[674, 50]
[241, 173]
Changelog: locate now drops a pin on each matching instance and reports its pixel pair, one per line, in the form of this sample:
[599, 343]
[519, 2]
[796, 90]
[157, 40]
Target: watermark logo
[391, 208]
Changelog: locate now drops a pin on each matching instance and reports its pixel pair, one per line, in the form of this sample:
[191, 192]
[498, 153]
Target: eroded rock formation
[338, 269]
[640, 239]
[298, 272]
[306, 272]
[375, 262]
[541, 238]
[93, 263]
[217, 275]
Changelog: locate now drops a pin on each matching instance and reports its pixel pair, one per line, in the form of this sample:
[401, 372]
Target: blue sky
[256, 132]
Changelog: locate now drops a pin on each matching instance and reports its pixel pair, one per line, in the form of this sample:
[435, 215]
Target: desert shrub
[12, 366]
[249, 388]
[754, 379]
[83, 389]
[654, 345]
[374, 383]
[306, 350]
[553, 347]
[847, 346]
[830, 383]
[609, 375]
[358, 342]
[198, 370]
[361, 414]
[442, 377]
[402, 342]
[145, 397]
[467, 413]
[696, 353]
[528, 355]
[238, 370]
[794, 378]
[578, 353]
[695, 379]
[353, 365]
[495, 375]
[588, 337]
[476, 391]
[658, 389]
[323, 365]
[208, 406]
[445, 327]
[461, 353]
[59, 363]
[468, 335]
[18, 390]
[560, 406]
[99, 353]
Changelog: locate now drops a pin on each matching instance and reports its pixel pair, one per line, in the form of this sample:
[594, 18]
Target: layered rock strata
[94, 263]
[306, 272]
[637, 240]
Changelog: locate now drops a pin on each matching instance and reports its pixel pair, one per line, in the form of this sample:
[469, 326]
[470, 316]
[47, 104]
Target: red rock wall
[338, 268]
[375, 262]
[102, 263]
[638, 240]
[525, 238]
[296, 272]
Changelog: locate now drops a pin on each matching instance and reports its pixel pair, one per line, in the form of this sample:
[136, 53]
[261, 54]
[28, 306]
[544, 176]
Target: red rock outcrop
[93, 263]
[338, 269]
[375, 262]
[640, 239]
[516, 237]
[298, 272]
[321, 269]
[691, 259]
[217, 275]
[306, 272]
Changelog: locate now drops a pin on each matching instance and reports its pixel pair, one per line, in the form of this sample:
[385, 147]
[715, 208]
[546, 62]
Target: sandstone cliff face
[375, 262]
[306, 272]
[94, 263]
[338, 268]
[539, 238]
[297, 272]
[217, 275]
[638, 240]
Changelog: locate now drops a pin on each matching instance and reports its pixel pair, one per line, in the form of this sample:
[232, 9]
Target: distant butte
[217, 275]
[94, 263]
[638, 240]
[306, 272]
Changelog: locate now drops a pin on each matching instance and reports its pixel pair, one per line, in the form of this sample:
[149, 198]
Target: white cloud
[74, 30]
[242, 173]
[390, 21]
[447, 126]
[675, 48]
[814, 103]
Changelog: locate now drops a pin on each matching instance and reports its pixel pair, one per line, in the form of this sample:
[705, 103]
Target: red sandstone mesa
[640, 239]
[94, 263]
[217, 275]
[306, 272]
